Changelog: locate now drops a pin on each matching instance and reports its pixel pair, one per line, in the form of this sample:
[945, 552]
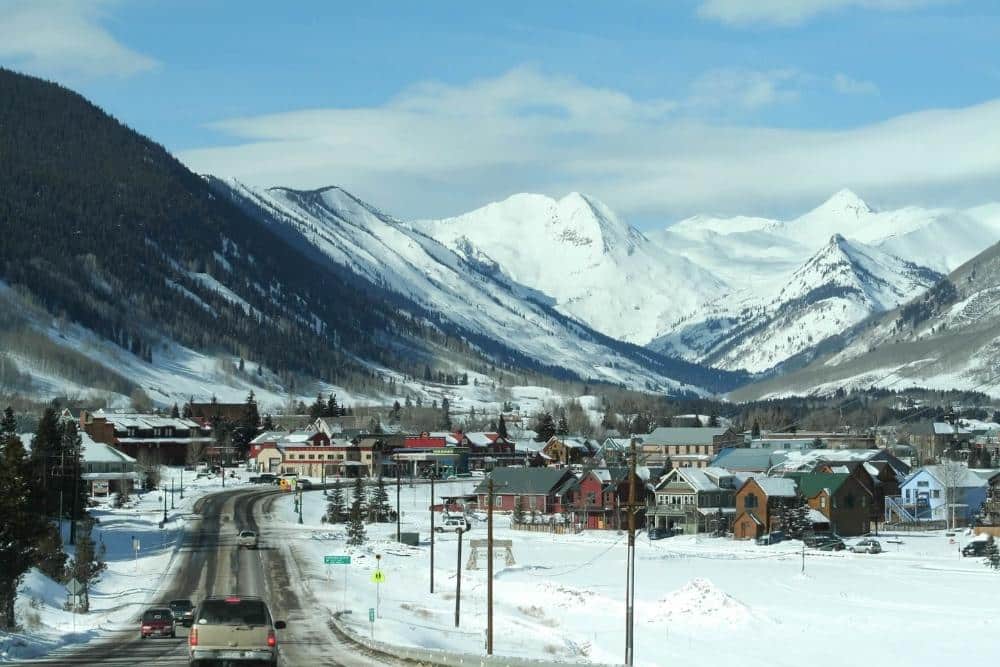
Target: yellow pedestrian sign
[378, 577]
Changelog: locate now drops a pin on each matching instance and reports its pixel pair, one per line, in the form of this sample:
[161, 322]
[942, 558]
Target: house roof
[753, 460]
[682, 435]
[775, 487]
[525, 481]
[811, 484]
[965, 478]
[126, 420]
[91, 450]
[268, 436]
[693, 477]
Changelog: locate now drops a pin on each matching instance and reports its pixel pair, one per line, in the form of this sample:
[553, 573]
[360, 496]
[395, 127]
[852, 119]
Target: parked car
[823, 541]
[183, 611]
[658, 533]
[453, 524]
[233, 630]
[976, 547]
[157, 621]
[771, 538]
[267, 478]
[248, 539]
[304, 484]
[867, 546]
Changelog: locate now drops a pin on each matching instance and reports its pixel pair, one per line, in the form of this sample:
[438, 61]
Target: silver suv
[233, 630]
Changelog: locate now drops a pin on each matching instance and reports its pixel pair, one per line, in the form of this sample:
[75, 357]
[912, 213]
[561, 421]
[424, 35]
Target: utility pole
[458, 579]
[172, 494]
[489, 566]
[76, 490]
[182, 482]
[399, 510]
[164, 505]
[300, 505]
[433, 475]
[630, 560]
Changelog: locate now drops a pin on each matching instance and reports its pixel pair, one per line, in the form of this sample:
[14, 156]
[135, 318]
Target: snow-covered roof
[126, 420]
[777, 487]
[963, 477]
[688, 435]
[481, 438]
[815, 516]
[268, 436]
[92, 451]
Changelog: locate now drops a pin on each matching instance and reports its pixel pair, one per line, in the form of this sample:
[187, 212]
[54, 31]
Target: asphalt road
[212, 564]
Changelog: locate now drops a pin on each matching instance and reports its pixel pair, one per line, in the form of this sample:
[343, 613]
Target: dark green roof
[525, 481]
[812, 483]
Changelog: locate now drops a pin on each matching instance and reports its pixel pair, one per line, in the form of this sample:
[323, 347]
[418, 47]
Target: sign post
[339, 560]
[378, 578]
[371, 620]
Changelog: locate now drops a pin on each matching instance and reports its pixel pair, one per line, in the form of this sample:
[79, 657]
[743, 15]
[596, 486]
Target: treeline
[40, 489]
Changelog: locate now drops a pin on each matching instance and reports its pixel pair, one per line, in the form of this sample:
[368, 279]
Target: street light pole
[458, 579]
[398, 506]
[630, 560]
[433, 475]
[164, 505]
[489, 566]
[300, 505]
[182, 483]
[172, 493]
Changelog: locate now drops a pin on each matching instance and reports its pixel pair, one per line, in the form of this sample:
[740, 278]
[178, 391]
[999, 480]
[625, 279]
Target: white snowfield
[699, 599]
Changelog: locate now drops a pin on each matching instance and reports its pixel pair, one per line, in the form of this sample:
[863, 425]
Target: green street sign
[371, 614]
[336, 560]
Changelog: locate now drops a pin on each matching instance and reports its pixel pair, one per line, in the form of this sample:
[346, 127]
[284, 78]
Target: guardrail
[422, 656]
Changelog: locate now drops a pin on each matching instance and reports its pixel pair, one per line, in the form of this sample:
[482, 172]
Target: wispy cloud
[437, 149]
[745, 89]
[846, 85]
[793, 12]
[64, 38]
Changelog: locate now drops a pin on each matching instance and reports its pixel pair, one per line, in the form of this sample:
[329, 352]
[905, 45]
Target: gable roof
[683, 435]
[526, 481]
[751, 460]
[774, 487]
[812, 483]
[965, 478]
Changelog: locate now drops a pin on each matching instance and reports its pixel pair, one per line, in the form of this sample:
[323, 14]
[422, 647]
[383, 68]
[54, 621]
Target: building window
[591, 498]
[936, 493]
[750, 501]
[822, 502]
[498, 501]
[924, 483]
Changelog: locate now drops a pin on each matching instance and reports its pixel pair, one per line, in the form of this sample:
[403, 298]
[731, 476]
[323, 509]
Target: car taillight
[193, 637]
[272, 641]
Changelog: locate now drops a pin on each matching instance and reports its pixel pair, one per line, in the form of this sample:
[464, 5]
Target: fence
[553, 528]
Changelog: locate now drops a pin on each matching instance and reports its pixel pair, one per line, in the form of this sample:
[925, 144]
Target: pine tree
[175, 412]
[333, 408]
[268, 423]
[755, 430]
[88, 563]
[22, 530]
[356, 522]
[502, 428]
[336, 508]
[545, 428]
[562, 428]
[8, 425]
[318, 408]
[992, 554]
[186, 413]
[445, 414]
[517, 516]
[380, 509]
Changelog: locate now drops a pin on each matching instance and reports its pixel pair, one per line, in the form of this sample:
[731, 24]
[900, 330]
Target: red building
[541, 490]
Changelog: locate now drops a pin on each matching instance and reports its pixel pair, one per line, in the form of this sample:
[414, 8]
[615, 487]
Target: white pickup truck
[453, 524]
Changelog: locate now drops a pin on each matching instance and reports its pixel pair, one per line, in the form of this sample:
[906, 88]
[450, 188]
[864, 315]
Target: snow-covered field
[128, 583]
[698, 599]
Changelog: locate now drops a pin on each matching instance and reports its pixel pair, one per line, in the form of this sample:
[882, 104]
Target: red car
[158, 621]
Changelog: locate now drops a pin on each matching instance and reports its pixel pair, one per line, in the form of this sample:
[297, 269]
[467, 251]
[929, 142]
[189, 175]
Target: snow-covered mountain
[468, 290]
[843, 283]
[592, 265]
[946, 338]
[796, 283]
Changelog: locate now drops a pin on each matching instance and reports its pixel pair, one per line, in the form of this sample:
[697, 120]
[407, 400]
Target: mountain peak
[845, 201]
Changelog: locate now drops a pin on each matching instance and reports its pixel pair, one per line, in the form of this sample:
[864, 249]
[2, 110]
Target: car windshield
[233, 612]
[247, 533]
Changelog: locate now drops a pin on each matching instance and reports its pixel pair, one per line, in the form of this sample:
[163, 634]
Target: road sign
[371, 614]
[378, 577]
[337, 560]
[75, 587]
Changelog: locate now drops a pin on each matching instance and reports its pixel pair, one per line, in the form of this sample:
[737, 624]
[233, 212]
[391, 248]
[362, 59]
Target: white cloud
[793, 12]
[846, 85]
[64, 38]
[440, 149]
[745, 89]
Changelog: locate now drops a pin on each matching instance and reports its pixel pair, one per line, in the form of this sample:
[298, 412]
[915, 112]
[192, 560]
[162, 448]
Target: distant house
[599, 498]
[840, 497]
[937, 492]
[932, 439]
[542, 490]
[150, 439]
[759, 503]
[688, 447]
[485, 445]
[693, 500]
[105, 469]
[819, 439]
[739, 459]
[563, 450]
[206, 412]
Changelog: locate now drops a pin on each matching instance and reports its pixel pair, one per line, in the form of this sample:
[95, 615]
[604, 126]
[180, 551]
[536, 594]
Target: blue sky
[661, 109]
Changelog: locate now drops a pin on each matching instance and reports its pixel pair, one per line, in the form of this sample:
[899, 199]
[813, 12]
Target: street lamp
[488, 463]
[182, 483]
[172, 493]
[432, 476]
[458, 579]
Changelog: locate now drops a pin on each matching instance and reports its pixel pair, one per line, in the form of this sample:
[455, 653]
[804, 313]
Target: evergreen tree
[175, 412]
[374, 425]
[640, 424]
[8, 425]
[243, 365]
[502, 427]
[89, 560]
[268, 423]
[318, 408]
[45, 448]
[562, 427]
[517, 515]
[755, 430]
[245, 430]
[445, 414]
[713, 420]
[21, 530]
[545, 428]
[380, 510]
[336, 508]
[992, 554]
[396, 407]
[333, 408]
[356, 521]
[186, 413]
[797, 520]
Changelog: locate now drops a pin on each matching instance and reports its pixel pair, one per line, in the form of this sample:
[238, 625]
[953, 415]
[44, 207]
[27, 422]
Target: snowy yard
[126, 586]
[919, 602]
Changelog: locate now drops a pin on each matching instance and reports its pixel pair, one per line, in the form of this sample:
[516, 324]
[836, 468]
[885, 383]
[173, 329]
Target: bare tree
[952, 474]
